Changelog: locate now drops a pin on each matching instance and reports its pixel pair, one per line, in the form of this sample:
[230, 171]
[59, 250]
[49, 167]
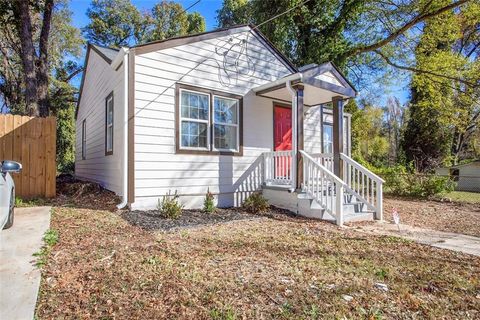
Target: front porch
[327, 185]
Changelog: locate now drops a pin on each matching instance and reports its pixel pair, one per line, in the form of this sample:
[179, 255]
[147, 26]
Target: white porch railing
[278, 167]
[364, 184]
[325, 159]
[323, 186]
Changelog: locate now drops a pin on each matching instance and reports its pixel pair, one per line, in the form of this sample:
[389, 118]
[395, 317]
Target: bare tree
[35, 66]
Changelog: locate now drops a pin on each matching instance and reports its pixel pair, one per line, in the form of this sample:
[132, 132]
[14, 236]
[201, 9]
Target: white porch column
[337, 136]
[300, 140]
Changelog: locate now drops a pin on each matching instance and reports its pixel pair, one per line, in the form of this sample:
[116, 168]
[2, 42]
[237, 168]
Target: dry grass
[271, 268]
[443, 216]
[463, 196]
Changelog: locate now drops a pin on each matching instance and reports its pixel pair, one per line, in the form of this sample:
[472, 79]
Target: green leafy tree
[371, 143]
[113, 23]
[117, 23]
[196, 23]
[340, 31]
[444, 104]
[64, 47]
[169, 19]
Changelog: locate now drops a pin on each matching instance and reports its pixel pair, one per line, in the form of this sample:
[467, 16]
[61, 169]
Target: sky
[208, 8]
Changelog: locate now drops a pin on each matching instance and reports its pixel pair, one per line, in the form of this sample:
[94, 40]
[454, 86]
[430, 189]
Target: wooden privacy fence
[32, 142]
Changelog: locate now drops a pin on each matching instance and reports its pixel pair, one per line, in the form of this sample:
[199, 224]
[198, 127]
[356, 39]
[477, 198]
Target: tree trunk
[24, 28]
[42, 70]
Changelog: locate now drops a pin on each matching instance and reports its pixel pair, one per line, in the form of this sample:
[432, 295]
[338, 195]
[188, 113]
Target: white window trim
[109, 99]
[181, 118]
[237, 125]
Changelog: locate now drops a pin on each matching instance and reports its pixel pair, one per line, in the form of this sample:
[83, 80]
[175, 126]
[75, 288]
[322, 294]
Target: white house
[224, 111]
[467, 175]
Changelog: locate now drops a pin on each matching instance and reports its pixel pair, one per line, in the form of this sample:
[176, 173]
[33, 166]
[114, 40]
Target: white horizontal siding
[158, 169]
[100, 80]
[312, 129]
[469, 179]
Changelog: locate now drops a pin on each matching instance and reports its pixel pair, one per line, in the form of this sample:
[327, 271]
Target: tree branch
[415, 70]
[73, 74]
[417, 19]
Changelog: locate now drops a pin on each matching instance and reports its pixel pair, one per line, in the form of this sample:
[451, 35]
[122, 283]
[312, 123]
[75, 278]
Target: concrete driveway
[19, 278]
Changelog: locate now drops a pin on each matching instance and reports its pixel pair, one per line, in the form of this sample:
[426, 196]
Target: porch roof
[321, 83]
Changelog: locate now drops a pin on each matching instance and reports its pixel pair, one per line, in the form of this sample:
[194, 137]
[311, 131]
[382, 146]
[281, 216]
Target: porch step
[304, 205]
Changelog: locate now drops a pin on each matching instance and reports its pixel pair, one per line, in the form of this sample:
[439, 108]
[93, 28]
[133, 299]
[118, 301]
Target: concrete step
[358, 216]
[304, 205]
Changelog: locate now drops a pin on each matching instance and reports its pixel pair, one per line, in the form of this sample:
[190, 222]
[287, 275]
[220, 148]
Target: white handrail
[323, 186]
[372, 175]
[325, 159]
[278, 167]
[364, 184]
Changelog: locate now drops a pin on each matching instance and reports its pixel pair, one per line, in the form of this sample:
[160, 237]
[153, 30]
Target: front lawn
[274, 267]
[463, 196]
[454, 217]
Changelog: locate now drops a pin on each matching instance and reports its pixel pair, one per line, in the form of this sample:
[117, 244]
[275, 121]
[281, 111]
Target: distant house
[467, 176]
[223, 111]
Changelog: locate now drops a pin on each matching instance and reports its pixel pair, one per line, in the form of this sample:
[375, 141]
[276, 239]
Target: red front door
[282, 137]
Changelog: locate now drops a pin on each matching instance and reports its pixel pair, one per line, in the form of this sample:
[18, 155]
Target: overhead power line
[281, 14]
[190, 7]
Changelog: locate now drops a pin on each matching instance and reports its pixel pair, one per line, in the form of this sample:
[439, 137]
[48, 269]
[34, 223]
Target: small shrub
[208, 203]
[403, 181]
[169, 207]
[256, 203]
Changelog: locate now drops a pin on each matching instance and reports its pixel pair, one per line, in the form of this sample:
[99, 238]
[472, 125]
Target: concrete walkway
[445, 240]
[19, 278]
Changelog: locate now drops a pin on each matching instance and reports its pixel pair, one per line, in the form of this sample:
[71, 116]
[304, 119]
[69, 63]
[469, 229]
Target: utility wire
[281, 14]
[210, 57]
[190, 7]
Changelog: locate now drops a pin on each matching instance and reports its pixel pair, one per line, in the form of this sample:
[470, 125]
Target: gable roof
[109, 54]
[105, 52]
[221, 32]
[328, 67]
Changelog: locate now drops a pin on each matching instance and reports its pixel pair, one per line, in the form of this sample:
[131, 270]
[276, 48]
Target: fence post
[339, 204]
[379, 204]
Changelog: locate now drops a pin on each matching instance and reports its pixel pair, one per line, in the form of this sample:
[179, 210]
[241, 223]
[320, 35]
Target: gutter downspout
[125, 133]
[293, 92]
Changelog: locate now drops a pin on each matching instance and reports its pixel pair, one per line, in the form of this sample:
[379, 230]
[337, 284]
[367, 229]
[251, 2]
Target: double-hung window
[109, 125]
[208, 121]
[194, 120]
[225, 124]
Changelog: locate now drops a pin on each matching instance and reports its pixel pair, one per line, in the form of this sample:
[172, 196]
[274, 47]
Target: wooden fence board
[32, 142]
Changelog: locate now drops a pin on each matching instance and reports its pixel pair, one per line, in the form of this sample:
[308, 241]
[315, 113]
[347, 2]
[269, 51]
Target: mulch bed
[153, 220]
